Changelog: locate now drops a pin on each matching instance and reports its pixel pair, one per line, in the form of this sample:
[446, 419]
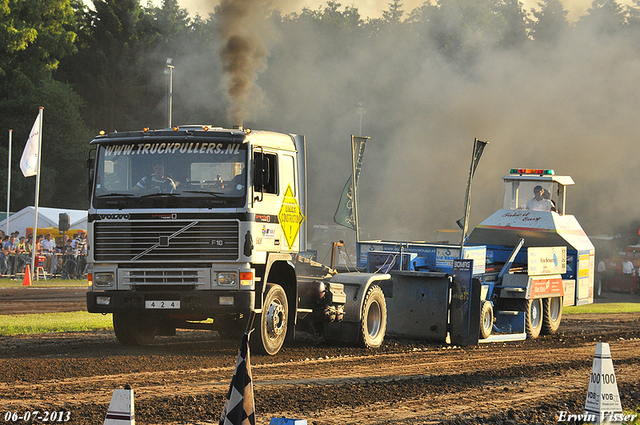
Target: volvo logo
[114, 216]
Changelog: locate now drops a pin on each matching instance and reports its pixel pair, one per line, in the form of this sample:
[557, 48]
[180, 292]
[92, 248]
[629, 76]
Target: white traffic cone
[603, 400]
[121, 409]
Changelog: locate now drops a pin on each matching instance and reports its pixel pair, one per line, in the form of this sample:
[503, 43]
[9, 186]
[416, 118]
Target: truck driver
[157, 181]
[539, 202]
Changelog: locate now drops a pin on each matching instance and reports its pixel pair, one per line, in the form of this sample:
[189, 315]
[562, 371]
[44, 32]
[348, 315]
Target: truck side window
[270, 166]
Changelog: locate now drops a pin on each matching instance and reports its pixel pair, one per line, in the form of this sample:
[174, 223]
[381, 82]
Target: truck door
[290, 215]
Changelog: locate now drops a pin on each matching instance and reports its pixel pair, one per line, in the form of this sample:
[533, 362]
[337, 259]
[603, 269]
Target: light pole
[169, 72]
[361, 112]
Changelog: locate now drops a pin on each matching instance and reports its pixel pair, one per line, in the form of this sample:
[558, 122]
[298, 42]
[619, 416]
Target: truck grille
[166, 241]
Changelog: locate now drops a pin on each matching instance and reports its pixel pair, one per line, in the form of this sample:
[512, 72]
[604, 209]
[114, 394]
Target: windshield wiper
[159, 195]
[106, 195]
[215, 194]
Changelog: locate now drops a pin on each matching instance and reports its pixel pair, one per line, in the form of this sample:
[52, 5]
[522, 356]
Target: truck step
[507, 312]
[514, 289]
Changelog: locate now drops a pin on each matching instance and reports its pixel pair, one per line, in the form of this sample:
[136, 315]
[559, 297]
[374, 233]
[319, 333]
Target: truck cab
[200, 227]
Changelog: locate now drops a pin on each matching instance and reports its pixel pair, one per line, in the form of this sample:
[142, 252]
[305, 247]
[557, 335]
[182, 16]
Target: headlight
[227, 278]
[104, 278]
[103, 300]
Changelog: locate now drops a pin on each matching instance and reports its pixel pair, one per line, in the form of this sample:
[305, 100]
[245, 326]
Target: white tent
[47, 217]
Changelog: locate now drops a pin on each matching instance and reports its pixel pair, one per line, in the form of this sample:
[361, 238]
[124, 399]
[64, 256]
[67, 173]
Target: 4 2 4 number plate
[161, 305]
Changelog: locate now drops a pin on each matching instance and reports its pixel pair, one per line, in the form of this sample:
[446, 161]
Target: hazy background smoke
[569, 105]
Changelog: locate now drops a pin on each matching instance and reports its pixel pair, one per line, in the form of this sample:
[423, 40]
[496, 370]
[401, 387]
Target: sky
[369, 8]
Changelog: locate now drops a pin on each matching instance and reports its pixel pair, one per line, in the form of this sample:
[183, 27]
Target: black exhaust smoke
[244, 52]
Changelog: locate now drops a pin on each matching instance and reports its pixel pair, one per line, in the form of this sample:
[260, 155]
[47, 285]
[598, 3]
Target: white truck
[199, 226]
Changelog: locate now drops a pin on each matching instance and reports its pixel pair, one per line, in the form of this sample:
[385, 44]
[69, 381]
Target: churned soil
[183, 379]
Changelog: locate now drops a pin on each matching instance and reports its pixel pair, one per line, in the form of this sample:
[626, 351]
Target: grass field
[69, 283]
[83, 321]
[75, 321]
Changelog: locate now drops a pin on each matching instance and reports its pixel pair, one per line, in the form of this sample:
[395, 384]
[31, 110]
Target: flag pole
[9, 178]
[35, 224]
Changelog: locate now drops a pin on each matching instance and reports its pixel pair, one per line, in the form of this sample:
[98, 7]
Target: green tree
[111, 69]
[514, 33]
[550, 22]
[34, 37]
[462, 28]
[603, 17]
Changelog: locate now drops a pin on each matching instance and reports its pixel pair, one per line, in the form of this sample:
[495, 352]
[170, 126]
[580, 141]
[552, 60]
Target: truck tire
[373, 324]
[272, 323]
[134, 330]
[486, 319]
[552, 315]
[533, 317]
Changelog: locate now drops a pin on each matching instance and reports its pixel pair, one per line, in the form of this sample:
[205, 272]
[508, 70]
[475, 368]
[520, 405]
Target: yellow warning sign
[290, 217]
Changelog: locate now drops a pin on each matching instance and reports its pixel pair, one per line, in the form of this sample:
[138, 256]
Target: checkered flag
[239, 408]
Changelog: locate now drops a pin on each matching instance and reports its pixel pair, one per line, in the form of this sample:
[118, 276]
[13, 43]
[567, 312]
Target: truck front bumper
[193, 303]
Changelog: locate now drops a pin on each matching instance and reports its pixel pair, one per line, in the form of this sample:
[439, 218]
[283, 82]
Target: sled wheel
[272, 323]
[533, 317]
[552, 315]
[486, 319]
[134, 329]
[373, 325]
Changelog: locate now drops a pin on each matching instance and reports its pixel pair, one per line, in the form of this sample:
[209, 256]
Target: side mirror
[91, 160]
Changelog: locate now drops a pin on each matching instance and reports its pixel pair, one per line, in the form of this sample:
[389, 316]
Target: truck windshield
[167, 174]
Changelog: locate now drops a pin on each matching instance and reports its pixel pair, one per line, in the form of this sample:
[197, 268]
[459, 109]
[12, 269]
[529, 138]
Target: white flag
[29, 160]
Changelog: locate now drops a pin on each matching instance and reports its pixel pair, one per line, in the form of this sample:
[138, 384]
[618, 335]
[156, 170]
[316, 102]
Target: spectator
[10, 250]
[48, 247]
[3, 255]
[627, 267]
[23, 257]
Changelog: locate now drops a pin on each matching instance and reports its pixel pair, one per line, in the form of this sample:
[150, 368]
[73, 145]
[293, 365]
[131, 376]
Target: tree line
[102, 68]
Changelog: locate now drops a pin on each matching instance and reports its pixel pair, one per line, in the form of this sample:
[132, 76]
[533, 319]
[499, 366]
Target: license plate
[161, 305]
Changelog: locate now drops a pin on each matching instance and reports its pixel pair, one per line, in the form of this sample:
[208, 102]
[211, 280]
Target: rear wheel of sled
[552, 315]
[486, 319]
[134, 329]
[373, 325]
[271, 324]
[533, 317]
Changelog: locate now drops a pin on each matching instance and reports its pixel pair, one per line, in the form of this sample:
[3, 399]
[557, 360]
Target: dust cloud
[568, 105]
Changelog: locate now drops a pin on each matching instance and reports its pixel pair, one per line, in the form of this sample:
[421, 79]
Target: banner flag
[345, 213]
[239, 407]
[478, 148]
[29, 160]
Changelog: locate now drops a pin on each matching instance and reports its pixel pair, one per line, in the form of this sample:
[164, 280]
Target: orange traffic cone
[27, 276]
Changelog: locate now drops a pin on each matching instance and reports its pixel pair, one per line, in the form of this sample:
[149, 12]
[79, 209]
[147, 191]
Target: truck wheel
[533, 317]
[134, 329]
[373, 325]
[486, 319]
[552, 315]
[272, 323]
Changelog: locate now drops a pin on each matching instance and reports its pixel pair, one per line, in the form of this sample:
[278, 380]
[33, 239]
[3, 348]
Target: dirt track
[183, 379]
